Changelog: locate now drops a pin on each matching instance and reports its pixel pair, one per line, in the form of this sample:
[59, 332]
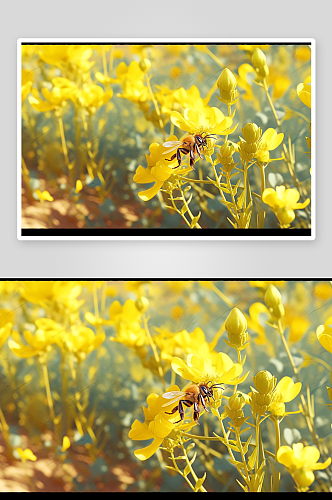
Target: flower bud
[263, 71]
[285, 216]
[142, 304]
[237, 401]
[264, 382]
[145, 65]
[236, 323]
[227, 149]
[226, 81]
[251, 132]
[258, 58]
[278, 311]
[272, 296]
[303, 477]
[329, 392]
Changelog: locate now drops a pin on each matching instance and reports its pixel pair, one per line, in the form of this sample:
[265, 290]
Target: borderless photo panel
[166, 139]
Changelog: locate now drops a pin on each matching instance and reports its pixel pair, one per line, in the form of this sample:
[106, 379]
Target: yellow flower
[62, 90]
[181, 99]
[52, 294]
[39, 342]
[79, 186]
[131, 79]
[270, 140]
[211, 121]
[304, 93]
[285, 392]
[44, 196]
[283, 203]
[217, 368]
[27, 80]
[157, 425]
[300, 462]
[92, 97]
[157, 171]
[324, 335]
[323, 291]
[26, 455]
[80, 341]
[67, 56]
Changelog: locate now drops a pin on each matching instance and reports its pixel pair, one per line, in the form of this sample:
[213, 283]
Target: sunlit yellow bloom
[62, 90]
[157, 425]
[180, 99]
[217, 368]
[44, 196]
[158, 170]
[270, 140]
[285, 392]
[26, 455]
[50, 294]
[304, 93]
[27, 80]
[67, 56]
[92, 97]
[324, 335]
[39, 342]
[283, 202]
[132, 81]
[301, 461]
[211, 121]
[80, 341]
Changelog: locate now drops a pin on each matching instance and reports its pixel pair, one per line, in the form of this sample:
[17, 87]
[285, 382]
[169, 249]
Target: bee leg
[196, 413]
[171, 158]
[175, 409]
[198, 151]
[203, 403]
[192, 159]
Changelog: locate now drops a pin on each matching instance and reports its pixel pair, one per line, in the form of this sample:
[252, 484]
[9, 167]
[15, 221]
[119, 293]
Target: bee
[191, 144]
[195, 396]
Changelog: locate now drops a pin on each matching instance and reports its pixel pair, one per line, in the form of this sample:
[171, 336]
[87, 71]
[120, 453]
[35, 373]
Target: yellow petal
[145, 453]
[143, 175]
[150, 193]
[139, 431]
[324, 335]
[65, 443]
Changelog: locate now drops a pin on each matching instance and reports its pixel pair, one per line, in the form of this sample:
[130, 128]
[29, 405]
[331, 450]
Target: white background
[178, 19]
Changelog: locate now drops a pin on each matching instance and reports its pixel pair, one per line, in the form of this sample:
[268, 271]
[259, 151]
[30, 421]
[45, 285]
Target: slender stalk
[155, 105]
[191, 468]
[63, 142]
[188, 209]
[48, 391]
[179, 471]
[232, 196]
[276, 475]
[154, 349]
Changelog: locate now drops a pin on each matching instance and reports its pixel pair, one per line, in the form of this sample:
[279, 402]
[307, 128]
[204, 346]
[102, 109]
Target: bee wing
[174, 395]
[172, 145]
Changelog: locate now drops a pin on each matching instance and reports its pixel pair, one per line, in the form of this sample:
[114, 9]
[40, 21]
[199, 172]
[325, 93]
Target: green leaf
[186, 470]
[246, 446]
[195, 220]
[170, 468]
[240, 200]
[193, 459]
[238, 465]
[184, 210]
[190, 447]
[252, 459]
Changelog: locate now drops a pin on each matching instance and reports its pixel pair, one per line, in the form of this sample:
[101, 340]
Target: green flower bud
[142, 304]
[272, 296]
[251, 132]
[264, 382]
[236, 323]
[226, 81]
[258, 58]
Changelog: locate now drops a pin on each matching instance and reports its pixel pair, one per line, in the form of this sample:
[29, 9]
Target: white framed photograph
[152, 139]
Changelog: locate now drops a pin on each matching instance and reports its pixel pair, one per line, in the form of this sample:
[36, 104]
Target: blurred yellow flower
[323, 291]
[65, 444]
[39, 342]
[285, 392]
[157, 425]
[27, 80]
[80, 341]
[304, 93]
[44, 196]
[6, 324]
[131, 78]
[215, 367]
[92, 97]
[157, 171]
[324, 334]
[301, 461]
[70, 57]
[52, 294]
[283, 202]
[26, 455]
